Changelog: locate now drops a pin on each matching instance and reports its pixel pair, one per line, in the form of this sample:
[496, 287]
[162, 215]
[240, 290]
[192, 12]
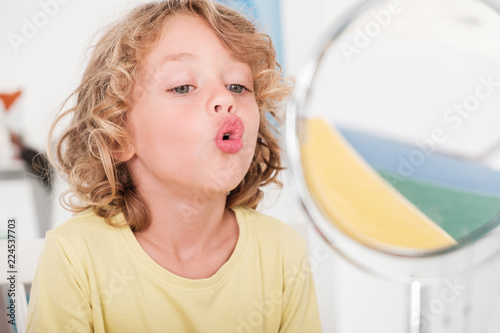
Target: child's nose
[219, 108]
[223, 101]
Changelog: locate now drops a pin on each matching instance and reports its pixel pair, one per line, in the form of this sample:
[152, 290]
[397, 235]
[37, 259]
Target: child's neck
[192, 241]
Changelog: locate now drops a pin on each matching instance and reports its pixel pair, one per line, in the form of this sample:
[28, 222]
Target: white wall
[303, 24]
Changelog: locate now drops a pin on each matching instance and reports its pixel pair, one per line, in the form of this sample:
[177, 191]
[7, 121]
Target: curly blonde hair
[85, 153]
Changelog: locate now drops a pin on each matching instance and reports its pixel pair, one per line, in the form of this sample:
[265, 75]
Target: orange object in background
[9, 99]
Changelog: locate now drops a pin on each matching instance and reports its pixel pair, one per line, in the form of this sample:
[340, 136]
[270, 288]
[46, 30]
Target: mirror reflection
[405, 101]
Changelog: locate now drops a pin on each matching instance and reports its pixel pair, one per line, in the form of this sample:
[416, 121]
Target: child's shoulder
[84, 238]
[86, 223]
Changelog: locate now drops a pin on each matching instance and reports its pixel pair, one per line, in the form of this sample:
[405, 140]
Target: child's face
[189, 92]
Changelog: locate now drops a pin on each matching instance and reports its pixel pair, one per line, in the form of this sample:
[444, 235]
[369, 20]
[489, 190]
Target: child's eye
[182, 90]
[236, 88]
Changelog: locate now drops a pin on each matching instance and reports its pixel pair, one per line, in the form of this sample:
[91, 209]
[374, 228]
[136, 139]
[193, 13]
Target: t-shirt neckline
[186, 283]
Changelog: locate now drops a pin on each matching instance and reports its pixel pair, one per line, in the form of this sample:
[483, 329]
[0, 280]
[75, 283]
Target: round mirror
[393, 134]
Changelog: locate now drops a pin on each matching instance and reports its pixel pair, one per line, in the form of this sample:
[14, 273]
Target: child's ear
[124, 155]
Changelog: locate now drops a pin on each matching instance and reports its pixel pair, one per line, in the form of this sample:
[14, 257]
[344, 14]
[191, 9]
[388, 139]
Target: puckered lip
[229, 134]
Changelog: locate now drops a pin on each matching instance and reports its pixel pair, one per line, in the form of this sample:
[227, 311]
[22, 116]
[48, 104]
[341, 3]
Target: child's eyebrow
[179, 57]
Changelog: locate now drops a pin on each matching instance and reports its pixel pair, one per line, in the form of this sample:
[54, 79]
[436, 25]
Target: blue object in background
[268, 14]
[389, 155]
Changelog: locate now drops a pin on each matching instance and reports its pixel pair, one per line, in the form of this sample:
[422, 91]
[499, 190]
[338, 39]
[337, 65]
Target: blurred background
[43, 51]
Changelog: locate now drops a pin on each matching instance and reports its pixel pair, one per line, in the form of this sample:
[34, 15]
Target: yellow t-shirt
[93, 277]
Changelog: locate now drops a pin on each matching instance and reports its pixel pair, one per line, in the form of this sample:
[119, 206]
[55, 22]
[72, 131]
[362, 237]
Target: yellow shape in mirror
[358, 200]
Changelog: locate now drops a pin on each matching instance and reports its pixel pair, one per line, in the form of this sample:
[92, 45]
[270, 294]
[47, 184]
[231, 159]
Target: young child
[168, 145]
